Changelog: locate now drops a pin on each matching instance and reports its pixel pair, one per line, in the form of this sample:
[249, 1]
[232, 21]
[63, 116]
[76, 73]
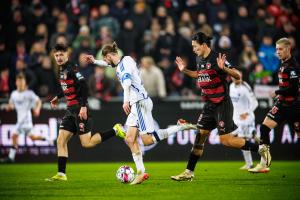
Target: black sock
[250, 146]
[192, 162]
[62, 162]
[107, 134]
[264, 134]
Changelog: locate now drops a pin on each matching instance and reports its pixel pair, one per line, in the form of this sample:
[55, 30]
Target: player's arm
[251, 98]
[292, 88]
[54, 101]
[226, 67]
[83, 92]
[10, 106]
[126, 83]
[182, 67]
[92, 60]
[37, 108]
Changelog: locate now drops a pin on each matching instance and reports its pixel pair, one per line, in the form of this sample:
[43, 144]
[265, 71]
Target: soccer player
[211, 73]
[287, 104]
[23, 101]
[137, 105]
[244, 103]
[77, 118]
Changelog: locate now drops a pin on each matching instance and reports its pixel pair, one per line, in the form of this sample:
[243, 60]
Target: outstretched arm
[221, 60]
[182, 67]
[91, 59]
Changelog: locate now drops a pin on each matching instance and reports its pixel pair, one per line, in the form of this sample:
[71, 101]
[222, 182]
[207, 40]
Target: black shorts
[281, 112]
[71, 121]
[217, 116]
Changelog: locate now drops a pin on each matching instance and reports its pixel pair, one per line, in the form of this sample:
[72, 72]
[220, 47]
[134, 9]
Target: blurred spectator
[267, 28]
[267, 54]
[128, 37]
[4, 82]
[41, 33]
[201, 20]
[84, 37]
[152, 78]
[119, 11]
[186, 21]
[39, 15]
[105, 19]
[21, 67]
[84, 68]
[100, 86]
[248, 56]
[224, 45]
[47, 83]
[61, 29]
[5, 58]
[37, 52]
[184, 44]
[260, 76]
[221, 21]
[244, 23]
[161, 16]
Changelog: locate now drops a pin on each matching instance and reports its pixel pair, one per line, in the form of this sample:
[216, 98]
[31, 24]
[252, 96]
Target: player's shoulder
[14, 93]
[128, 59]
[246, 86]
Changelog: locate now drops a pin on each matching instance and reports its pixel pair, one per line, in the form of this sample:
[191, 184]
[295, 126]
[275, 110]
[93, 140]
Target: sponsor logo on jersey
[203, 77]
[274, 110]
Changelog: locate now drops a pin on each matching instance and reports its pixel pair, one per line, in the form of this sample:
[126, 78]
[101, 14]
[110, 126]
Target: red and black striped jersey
[289, 80]
[211, 79]
[73, 85]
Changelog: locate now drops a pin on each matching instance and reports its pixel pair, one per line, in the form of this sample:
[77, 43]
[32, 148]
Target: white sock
[61, 174]
[12, 153]
[263, 162]
[248, 157]
[138, 160]
[165, 133]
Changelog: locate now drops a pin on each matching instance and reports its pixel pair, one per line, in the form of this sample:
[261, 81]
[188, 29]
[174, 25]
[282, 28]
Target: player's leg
[13, 150]
[196, 153]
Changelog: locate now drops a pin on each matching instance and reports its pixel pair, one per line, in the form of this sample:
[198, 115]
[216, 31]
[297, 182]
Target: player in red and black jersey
[287, 99]
[212, 70]
[77, 118]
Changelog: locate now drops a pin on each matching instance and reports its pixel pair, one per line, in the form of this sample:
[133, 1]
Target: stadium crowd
[152, 31]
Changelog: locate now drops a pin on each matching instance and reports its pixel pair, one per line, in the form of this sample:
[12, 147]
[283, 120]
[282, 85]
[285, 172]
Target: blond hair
[285, 41]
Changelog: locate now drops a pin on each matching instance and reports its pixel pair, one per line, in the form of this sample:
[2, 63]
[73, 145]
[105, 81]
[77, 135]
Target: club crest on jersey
[222, 124]
[274, 110]
[208, 65]
[281, 69]
[81, 127]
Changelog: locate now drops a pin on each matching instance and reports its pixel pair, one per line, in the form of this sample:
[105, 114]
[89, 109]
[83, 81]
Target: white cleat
[246, 167]
[184, 176]
[186, 125]
[259, 168]
[140, 177]
[264, 151]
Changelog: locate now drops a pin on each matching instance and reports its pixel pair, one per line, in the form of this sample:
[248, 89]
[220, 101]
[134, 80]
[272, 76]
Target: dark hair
[60, 47]
[202, 38]
[110, 48]
[20, 76]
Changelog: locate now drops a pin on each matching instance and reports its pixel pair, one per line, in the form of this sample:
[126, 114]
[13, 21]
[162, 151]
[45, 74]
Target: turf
[214, 180]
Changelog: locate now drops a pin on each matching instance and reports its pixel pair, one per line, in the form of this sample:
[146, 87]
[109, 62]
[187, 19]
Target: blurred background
[153, 32]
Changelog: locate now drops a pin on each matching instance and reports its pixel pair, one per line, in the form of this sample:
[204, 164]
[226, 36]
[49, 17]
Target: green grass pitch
[214, 180]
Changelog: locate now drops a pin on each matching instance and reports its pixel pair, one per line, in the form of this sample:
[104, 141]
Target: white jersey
[243, 100]
[127, 69]
[23, 102]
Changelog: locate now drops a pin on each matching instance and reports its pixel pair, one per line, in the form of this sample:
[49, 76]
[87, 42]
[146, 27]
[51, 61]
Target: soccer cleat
[184, 176]
[6, 160]
[186, 125]
[57, 177]
[246, 167]
[120, 132]
[264, 151]
[259, 168]
[140, 177]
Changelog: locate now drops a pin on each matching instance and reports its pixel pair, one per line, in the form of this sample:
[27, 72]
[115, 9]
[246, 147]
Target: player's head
[201, 43]
[283, 48]
[110, 54]
[60, 53]
[21, 82]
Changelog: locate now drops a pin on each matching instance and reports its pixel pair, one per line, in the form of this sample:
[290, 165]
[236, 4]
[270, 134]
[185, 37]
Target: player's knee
[60, 142]
[147, 140]
[129, 139]
[225, 140]
[86, 145]
[197, 152]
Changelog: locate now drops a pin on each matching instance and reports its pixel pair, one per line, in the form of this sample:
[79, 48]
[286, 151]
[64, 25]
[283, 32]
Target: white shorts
[23, 129]
[141, 116]
[246, 128]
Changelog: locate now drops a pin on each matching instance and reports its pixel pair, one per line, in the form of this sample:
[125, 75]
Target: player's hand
[89, 58]
[221, 61]
[244, 116]
[180, 63]
[272, 95]
[36, 112]
[9, 107]
[126, 107]
[54, 102]
[83, 113]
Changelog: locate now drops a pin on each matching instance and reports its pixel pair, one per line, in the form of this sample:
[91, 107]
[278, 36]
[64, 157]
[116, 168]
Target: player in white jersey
[137, 105]
[244, 103]
[23, 101]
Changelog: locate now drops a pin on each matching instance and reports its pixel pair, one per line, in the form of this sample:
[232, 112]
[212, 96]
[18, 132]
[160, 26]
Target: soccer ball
[125, 174]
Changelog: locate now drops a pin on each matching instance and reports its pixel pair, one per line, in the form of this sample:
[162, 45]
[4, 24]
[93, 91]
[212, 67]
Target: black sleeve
[292, 89]
[60, 93]
[83, 90]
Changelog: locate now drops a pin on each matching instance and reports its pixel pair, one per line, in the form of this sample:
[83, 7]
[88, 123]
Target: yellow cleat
[120, 132]
[57, 177]
[184, 176]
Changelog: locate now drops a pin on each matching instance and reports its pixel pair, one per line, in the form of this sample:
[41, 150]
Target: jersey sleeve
[228, 64]
[126, 69]
[83, 88]
[292, 89]
[33, 98]
[253, 103]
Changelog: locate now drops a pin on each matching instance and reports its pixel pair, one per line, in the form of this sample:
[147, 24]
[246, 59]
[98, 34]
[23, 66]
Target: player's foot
[259, 168]
[186, 125]
[246, 167]
[57, 177]
[140, 177]
[6, 160]
[264, 151]
[184, 176]
[120, 132]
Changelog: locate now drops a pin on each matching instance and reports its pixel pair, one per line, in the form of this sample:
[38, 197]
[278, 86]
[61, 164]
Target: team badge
[81, 127]
[208, 65]
[274, 110]
[221, 124]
